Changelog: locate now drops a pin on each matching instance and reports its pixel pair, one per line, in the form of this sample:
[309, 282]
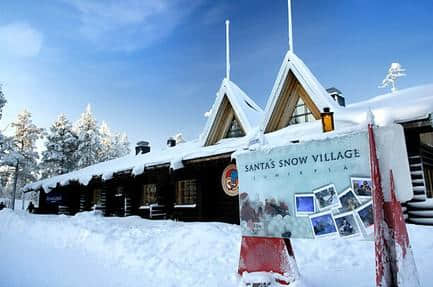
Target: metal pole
[289, 8]
[22, 200]
[227, 50]
[15, 185]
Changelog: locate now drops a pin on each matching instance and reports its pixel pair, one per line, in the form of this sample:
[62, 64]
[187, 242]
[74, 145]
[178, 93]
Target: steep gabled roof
[293, 66]
[246, 111]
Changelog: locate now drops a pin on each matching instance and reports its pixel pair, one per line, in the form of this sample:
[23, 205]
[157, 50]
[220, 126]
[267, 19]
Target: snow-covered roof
[308, 81]
[247, 111]
[398, 107]
[172, 156]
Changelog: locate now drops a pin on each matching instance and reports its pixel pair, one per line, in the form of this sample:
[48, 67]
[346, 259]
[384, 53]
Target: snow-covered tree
[97, 144]
[61, 144]
[394, 72]
[106, 141]
[24, 146]
[2, 101]
[89, 145]
[112, 146]
[121, 146]
[5, 142]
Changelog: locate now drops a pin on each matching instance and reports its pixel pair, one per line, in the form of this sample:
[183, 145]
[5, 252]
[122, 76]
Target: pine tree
[2, 101]
[112, 146]
[89, 145]
[106, 140]
[61, 145]
[120, 145]
[395, 71]
[5, 142]
[24, 144]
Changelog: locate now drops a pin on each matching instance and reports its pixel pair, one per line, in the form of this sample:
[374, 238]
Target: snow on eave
[246, 110]
[172, 157]
[244, 106]
[299, 133]
[308, 81]
[411, 104]
[310, 131]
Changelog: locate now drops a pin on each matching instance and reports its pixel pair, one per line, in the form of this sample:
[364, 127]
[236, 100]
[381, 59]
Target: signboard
[54, 197]
[229, 180]
[318, 188]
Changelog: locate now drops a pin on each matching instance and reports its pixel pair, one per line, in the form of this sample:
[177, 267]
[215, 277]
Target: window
[119, 191]
[96, 196]
[186, 192]
[301, 114]
[149, 194]
[235, 129]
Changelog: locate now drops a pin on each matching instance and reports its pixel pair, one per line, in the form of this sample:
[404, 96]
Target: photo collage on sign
[348, 213]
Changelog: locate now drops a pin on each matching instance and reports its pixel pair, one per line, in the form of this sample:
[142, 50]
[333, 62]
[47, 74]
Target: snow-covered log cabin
[184, 180]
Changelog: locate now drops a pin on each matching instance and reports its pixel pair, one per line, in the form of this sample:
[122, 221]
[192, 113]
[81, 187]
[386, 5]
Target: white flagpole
[227, 50]
[289, 7]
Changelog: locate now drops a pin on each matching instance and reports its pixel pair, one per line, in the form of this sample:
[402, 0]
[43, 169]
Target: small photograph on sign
[323, 224]
[347, 225]
[362, 186]
[349, 201]
[365, 214]
[327, 197]
[304, 204]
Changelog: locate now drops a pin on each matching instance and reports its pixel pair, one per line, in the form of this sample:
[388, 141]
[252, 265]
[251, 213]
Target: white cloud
[217, 13]
[20, 39]
[130, 24]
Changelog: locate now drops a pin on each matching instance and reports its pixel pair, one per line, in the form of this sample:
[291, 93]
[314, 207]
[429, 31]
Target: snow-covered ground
[88, 250]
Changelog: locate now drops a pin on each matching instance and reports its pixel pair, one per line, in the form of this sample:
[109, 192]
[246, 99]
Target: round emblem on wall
[229, 180]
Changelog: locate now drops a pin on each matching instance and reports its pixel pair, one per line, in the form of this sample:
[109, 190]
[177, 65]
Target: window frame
[192, 193]
[147, 199]
[306, 113]
[234, 132]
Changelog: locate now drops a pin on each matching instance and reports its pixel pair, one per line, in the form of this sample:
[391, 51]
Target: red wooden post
[395, 265]
[263, 254]
[383, 256]
[404, 268]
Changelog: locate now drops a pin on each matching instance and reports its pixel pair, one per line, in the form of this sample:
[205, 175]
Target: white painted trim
[185, 205]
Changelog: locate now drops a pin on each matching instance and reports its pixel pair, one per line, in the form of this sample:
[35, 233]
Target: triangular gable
[233, 114]
[226, 124]
[294, 81]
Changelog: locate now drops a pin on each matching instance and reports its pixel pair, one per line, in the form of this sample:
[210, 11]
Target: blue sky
[151, 68]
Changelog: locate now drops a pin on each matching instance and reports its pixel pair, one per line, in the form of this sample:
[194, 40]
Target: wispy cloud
[216, 13]
[20, 39]
[129, 25]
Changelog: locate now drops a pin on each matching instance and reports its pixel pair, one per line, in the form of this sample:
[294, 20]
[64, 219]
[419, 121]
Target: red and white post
[395, 264]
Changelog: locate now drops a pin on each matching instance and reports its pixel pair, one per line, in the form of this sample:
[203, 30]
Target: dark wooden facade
[122, 195]
[419, 143]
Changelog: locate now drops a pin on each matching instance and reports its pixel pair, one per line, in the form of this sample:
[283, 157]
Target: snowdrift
[89, 250]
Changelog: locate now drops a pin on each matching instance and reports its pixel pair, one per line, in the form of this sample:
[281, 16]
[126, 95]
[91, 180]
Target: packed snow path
[88, 250]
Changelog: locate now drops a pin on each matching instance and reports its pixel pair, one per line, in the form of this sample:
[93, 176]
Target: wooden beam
[209, 158]
[424, 125]
[284, 107]
[222, 122]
